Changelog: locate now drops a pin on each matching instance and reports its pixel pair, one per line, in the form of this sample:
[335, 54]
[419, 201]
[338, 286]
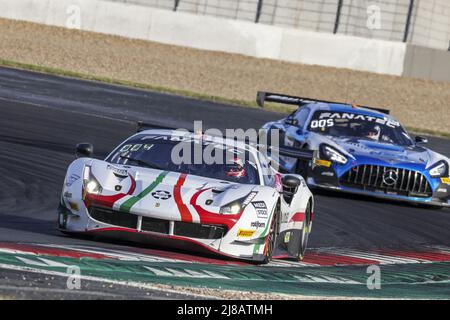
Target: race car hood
[355, 148]
[162, 194]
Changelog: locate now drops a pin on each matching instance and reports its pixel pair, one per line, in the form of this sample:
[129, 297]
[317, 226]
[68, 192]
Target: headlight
[440, 169]
[237, 206]
[231, 208]
[92, 187]
[90, 183]
[332, 154]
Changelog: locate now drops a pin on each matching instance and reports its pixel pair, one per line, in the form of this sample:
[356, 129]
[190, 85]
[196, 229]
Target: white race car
[240, 209]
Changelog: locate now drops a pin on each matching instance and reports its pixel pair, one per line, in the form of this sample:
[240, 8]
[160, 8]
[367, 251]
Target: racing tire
[305, 232]
[272, 236]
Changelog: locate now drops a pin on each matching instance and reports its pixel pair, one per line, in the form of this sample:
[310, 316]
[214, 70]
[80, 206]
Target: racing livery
[241, 209]
[361, 150]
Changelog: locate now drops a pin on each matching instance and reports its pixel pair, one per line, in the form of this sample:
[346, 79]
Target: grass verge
[184, 93]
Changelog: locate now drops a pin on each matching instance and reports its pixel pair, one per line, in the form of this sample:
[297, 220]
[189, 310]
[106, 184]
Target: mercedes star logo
[390, 177]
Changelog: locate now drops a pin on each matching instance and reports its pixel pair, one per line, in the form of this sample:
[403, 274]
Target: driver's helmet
[236, 168]
[373, 132]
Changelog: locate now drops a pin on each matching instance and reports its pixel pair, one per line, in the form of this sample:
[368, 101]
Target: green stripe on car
[127, 205]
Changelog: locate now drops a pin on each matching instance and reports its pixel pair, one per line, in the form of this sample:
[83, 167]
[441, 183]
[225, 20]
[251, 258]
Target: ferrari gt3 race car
[361, 150]
[239, 209]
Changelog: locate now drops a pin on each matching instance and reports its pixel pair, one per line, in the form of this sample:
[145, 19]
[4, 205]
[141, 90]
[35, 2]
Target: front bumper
[83, 224]
[328, 178]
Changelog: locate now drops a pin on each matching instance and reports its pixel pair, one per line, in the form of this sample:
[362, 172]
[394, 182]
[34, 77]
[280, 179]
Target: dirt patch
[417, 103]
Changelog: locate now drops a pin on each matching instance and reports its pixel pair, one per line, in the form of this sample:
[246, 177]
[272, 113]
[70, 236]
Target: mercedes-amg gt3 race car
[240, 209]
[361, 150]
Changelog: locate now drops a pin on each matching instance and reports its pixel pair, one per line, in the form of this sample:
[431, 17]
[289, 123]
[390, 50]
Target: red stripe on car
[108, 201]
[186, 215]
[298, 217]
[208, 217]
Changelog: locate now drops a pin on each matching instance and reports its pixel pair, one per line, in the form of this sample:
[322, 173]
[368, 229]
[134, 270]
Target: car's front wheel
[271, 237]
[307, 223]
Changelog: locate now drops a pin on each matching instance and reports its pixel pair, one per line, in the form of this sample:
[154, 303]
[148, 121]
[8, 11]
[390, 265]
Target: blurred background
[420, 22]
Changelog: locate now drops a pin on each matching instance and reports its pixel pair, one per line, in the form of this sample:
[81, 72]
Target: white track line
[382, 259]
[133, 284]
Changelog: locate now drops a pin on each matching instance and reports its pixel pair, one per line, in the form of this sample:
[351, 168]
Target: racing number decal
[322, 123]
[135, 147]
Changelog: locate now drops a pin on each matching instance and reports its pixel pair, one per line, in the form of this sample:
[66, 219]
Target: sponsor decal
[331, 116]
[287, 237]
[249, 198]
[261, 213]
[285, 217]
[322, 163]
[261, 209]
[244, 233]
[445, 180]
[67, 195]
[71, 179]
[161, 194]
[258, 224]
[74, 206]
[117, 171]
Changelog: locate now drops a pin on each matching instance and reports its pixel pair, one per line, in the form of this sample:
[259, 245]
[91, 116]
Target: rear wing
[263, 96]
[285, 151]
[141, 126]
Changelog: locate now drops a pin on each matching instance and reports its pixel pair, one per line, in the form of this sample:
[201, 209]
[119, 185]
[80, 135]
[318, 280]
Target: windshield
[196, 157]
[348, 124]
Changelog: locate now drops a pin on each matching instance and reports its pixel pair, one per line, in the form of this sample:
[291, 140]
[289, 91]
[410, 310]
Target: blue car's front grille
[389, 180]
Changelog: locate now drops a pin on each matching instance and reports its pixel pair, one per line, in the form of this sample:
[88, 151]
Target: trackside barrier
[212, 33]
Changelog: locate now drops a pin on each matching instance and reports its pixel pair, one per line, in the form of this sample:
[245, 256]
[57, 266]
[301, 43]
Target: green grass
[185, 93]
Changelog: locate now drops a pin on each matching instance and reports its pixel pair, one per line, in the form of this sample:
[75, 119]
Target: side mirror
[291, 121]
[421, 140]
[290, 182]
[84, 149]
[290, 186]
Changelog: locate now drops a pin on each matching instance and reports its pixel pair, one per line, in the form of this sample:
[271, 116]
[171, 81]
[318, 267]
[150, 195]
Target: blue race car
[360, 150]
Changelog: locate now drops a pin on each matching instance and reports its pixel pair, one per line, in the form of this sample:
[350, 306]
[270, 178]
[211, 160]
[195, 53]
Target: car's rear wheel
[307, 223]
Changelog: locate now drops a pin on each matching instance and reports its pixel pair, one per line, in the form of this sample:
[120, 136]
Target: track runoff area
[359, 247]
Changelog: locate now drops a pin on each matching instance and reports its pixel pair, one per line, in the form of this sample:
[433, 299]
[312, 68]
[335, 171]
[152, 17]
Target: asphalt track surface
[43, 117]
